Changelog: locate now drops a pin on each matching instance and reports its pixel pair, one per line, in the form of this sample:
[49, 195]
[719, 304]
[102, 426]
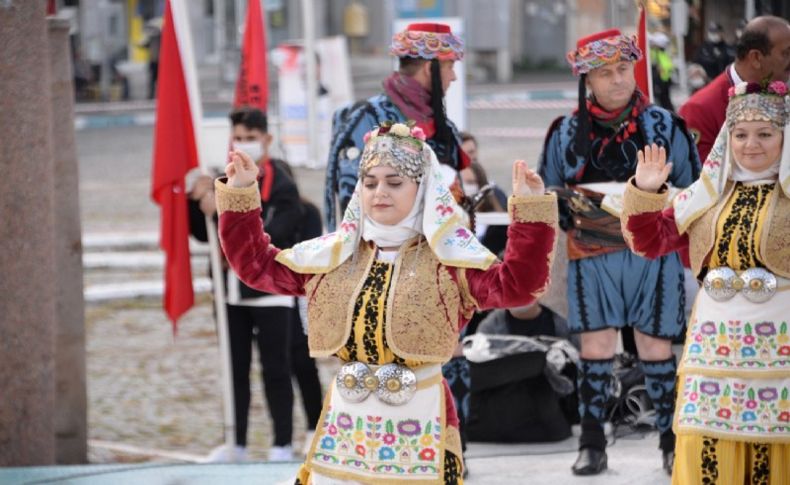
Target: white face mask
[252, 148]
[715, 38]
[471, 189]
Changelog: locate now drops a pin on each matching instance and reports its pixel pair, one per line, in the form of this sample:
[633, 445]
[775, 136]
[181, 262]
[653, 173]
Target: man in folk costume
[427, 53]
[588, 156]
[762, 52]
[387, 294]
[733, 399]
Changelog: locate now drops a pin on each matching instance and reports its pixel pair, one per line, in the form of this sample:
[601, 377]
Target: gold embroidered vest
[775, 243]
[422, 311]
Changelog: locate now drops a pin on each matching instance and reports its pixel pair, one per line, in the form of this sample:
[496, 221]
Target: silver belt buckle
[718, 283]
[755, 284]
[759, 285]
[393, 384]
[397, 384]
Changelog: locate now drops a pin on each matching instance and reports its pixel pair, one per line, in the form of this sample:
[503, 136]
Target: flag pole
[308, 20]
[181, 22]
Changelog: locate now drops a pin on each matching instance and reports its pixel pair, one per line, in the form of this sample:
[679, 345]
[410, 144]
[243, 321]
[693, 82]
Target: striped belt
[755, 284]
[393, 384]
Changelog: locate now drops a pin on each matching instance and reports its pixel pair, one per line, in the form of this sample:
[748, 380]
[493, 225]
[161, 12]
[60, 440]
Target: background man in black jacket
[252, 315]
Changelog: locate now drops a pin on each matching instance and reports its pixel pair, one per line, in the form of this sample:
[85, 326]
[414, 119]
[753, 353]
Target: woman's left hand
[526, 181]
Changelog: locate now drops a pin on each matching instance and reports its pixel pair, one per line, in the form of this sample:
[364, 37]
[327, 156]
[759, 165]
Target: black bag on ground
[511, 401]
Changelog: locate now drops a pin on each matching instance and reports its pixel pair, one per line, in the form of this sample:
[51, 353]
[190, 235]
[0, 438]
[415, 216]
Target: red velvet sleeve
[248, 248]
[649, 228]
[655, 234]
[523, 274]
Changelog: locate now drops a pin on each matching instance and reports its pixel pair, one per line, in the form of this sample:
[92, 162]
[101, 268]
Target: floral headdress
[428, 41]
[603, 48]
[396, 145]
[748, 102]
[442, 222]
[758, 102]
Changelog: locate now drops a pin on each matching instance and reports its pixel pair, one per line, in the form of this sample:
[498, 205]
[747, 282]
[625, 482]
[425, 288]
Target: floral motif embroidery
[738, 345]
[372, 443]
[737, 406]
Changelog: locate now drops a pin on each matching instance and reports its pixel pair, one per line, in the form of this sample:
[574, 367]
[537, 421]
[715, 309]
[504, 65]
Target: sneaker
[227, 454]
[308, 441]
[281, 453]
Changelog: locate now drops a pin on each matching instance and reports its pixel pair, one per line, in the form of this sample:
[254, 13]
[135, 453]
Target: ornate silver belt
[755, 284]
[393, 384]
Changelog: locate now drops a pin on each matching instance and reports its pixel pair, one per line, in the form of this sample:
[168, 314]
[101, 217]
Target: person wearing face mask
[733, 401]
[587, 158]
[387, 295]
[255, 316]
[762, 53]
[714, 53]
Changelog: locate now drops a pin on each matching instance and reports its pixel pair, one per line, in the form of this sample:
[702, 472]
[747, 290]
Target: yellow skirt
[703, 460]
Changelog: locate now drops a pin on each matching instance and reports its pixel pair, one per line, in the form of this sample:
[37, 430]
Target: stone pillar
[27, 300]
[71, 441]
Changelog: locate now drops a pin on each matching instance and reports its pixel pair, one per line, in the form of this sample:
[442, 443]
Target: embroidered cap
[396, 145]
[756, 102]
[427, 41]
[603, 48]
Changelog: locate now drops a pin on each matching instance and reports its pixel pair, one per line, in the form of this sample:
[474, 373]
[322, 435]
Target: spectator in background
[662, 68]
[762, 52]
[254, 316]
[714, 53]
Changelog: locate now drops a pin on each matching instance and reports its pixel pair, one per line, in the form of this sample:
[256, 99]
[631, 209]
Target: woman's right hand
[652, 170]
[241, 171]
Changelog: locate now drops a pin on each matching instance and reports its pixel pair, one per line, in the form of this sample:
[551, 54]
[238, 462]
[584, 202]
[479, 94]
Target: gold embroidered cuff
[236, 199]
[636, 201]
[533, 208]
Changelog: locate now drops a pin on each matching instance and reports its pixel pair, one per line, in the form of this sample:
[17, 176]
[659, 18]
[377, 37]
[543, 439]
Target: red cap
[429, 27]
[600, 35]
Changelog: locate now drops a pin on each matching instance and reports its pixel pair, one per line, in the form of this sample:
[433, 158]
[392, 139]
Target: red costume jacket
[516, 281]
[705, 112]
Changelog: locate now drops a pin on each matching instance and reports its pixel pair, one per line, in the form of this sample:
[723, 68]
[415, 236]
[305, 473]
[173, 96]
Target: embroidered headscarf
[435, 213]
[748, 102]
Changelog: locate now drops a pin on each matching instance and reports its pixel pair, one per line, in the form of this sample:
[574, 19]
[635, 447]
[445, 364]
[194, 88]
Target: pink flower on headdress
[417, 133]
[730, 93]
[369, 135]
[778, 87]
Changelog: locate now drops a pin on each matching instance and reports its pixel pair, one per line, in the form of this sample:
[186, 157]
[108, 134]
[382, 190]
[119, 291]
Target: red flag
[175, 154]
[252, 87]
[642, 68]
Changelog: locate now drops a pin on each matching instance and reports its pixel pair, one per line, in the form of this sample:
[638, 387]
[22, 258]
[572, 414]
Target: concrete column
[71, 424]
[27, 300]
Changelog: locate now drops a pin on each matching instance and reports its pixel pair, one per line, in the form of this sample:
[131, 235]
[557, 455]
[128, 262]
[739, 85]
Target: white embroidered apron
[374, 442]
[734, 377]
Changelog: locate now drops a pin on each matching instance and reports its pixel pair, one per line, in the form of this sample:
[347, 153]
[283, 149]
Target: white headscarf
[719, 167]
[435, 215]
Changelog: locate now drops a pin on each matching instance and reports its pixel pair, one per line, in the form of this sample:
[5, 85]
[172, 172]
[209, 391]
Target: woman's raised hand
[526, 181]
[652, 168]
[241, 171]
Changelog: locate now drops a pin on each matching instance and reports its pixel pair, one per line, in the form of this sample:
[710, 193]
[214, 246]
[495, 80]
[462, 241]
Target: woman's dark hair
[251, 118]
[466, 136]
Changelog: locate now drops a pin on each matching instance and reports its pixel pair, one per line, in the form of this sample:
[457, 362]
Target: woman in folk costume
[732, 416]
[387, 294]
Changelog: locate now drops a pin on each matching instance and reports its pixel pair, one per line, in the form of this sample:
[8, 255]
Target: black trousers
[306, 373]
[270, 327]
